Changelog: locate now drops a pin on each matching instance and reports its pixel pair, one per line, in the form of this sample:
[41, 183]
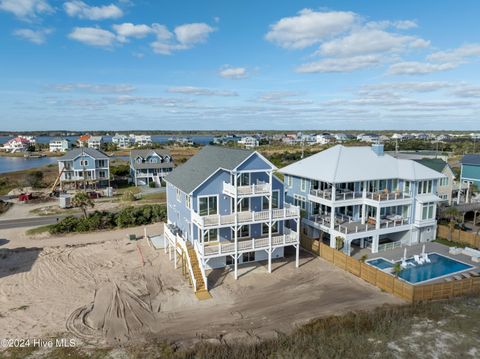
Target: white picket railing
[287, 212]
[246, 245]
[260, 188]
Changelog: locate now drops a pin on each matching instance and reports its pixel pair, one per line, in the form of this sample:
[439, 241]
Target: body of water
[12, 164]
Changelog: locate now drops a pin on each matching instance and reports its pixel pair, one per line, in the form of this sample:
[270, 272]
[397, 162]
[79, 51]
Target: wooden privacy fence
[471, 239]
[388, 282]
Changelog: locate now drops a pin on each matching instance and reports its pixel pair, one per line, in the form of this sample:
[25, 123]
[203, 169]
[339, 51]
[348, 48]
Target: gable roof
[76, 152]
[435, 164]
[146, 153]
[206, 162]
[470, 159]
[340, 164]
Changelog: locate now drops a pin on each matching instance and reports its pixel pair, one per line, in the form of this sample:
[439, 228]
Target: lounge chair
[474, 274]
[448, 279]
[466, 275]
[457, 277]
[418, 259]
[425, 258]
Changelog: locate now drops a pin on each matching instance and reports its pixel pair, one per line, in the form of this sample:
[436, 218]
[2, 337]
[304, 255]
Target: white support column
[332, 218]
[364, 213]
[175, 253]
[235, 225]
[375, 243]
[270, 195]
[297, 254]
[377, 219]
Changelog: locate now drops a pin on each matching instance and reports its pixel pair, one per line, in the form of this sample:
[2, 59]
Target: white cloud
[93, 36]
[186, 37]
[309, 28]
[127, 29]
[459, 54]
[198, 91]
[423, 87]
[36, 36]
[191, 34]
[369, 41]
[284, 98]
[468, 91]
[347, 64]
[94, 88]
[26, 9]
[418, 68]
[405, 24]
[77, 8]
[229, 72]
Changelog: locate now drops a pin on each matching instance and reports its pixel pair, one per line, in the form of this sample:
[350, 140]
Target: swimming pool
[440, 266]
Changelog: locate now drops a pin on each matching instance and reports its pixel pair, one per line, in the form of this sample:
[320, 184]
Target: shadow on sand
[17, 260]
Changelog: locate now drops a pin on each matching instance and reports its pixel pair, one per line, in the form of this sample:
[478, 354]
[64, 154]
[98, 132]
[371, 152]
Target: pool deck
[397, 254]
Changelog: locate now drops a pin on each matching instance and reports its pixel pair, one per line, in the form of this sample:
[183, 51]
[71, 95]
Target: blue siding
[254, 163]
[471, 173]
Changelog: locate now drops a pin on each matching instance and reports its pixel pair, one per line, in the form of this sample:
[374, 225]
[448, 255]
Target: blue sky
[182, 65]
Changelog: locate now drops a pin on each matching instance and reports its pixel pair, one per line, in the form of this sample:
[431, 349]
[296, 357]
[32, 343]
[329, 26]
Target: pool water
[440, 266]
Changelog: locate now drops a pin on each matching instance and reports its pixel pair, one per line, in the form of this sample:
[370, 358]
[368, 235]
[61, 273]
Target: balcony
[216, 220]
[227, 247]
[347, 225]
[259, 189]
[346, 195]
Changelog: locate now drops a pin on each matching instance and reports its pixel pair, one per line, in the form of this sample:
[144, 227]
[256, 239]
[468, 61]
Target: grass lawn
[158, 197]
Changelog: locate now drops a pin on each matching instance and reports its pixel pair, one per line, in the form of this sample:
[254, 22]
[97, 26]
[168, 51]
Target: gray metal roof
[76, 152]
[470, 159]
[340, 164]
[207, 161]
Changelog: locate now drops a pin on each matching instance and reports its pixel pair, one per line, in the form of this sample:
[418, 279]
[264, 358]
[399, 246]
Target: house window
[188, 202]
[406, 187]
[265, 228]
[243, 231]
[424, 187]
[248, 257]
[299, 201]
[229, 261]
[243, 205]
[444, 182]
[288, 180]
[275, 201]
[244, 179]
[101, 174]
[207, 205]
[211, 235]
[428, 210]
[303, 185]
[101, 163]
[84, 163]
[178, 195]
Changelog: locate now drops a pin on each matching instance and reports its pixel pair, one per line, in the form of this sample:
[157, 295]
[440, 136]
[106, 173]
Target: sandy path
[97, 288]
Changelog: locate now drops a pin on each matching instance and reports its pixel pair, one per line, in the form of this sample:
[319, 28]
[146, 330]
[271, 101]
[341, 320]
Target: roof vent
[378, 149]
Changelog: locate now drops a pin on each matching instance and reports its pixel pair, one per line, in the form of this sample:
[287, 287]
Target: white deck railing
[227, 247]
[384, 196]
[261, 188]
[356, 227]
[216, 220]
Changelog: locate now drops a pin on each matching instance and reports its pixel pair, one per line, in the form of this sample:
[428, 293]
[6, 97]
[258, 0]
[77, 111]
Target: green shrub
[127, 217]
[152, 184]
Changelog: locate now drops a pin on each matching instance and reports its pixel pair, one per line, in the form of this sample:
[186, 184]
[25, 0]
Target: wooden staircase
[202, 292]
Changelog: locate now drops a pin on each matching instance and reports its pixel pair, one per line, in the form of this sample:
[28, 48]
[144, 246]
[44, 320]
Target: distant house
[344, 137]
[59, 145]
[95, 142]
[141, 140]
[368, 137]
[83, 140]
[150, 166]
[249, 142]
[324, 138]
[122, 141]
[18, 144]
[84, 167]
[470, 172]
[446, 185]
